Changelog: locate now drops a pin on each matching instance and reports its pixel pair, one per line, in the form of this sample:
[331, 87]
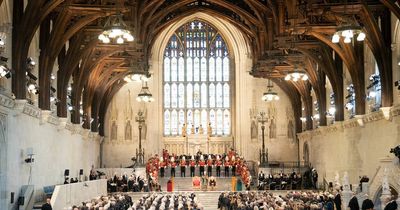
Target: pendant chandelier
[137, 73]
[144, 94]
[116, 30]
[348, 33]
[270, 95]
[296, 76]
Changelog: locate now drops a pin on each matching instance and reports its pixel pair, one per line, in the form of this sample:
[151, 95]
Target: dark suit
[392, 205]
[46, 206]
[353, 204]
[338, 202]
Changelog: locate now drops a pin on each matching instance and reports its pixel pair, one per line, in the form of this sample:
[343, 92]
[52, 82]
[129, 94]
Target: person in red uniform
[162, 167]
[209, 165]
[233, 166]
[218, 164]
[202, 163]
[192, 164]
[227, 165]
[183, 167]
[173, 166]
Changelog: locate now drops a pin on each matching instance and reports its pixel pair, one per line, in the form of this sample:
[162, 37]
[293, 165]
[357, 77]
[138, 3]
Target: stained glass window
[197, 80]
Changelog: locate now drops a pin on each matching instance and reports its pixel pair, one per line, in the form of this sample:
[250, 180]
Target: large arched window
[197, 81]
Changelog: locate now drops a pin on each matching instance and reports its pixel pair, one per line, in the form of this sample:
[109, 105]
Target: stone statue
[346, 182]
[209, 129]
[385, 183]
[128, 130]
[184, 130]
[254, 130]
[192, 129]
[272, 129]
[290, 131]
[201, 129]
[114, 130]
[337, 181]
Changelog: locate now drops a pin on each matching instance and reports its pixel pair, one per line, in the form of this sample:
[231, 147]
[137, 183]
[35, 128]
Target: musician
[202, 163]
[218, 163]
[162, 166]
[183, 166]
[227, 165]
[209, 165]
[192, 164]
[233, 166]
[173, 166]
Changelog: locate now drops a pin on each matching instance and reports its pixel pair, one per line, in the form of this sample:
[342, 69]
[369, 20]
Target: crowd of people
[279, 181]
[131, 183]
[110, 202]
[231, 164]
[161, 201]
[152, 201]
[266, 200]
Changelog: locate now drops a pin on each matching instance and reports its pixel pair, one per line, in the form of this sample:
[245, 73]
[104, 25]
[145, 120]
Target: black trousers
[192, 171]
[173, 172]
[233, 170]
[201, 170]
[183, 171]
[209, 170]
[227, 171]
[162, 171]
[218, 169]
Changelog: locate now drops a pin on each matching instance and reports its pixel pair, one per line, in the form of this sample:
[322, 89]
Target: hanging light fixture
[348, 32]
[144, 94]
[270, 95]
[138, 73]
[115, 29]
[296, 76]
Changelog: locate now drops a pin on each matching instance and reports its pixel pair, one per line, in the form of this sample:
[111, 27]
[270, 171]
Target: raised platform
[186, 184]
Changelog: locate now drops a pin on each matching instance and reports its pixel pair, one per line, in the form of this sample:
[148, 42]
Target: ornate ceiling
[282, 34]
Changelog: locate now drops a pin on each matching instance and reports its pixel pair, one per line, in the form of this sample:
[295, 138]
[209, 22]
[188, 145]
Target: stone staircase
[185, 184]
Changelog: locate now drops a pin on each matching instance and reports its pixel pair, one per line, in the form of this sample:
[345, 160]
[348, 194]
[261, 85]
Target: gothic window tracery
[197, 80]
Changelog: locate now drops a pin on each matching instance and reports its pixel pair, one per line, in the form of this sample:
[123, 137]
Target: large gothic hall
[199, 104]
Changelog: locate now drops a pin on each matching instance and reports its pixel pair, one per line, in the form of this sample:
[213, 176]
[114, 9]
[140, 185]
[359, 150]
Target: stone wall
[355, 146]
[56, 146]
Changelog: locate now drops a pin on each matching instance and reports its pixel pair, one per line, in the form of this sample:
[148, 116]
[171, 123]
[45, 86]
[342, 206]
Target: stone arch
[378, 194]
[242, 63]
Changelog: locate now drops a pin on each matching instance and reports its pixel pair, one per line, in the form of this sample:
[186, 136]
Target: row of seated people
[131, 183]
[152, 201]
[291, 201]
[110, 202]
[279, 181]
[161, 201]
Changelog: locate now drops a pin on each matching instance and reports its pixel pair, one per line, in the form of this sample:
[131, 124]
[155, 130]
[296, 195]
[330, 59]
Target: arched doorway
[3, 162]
[377, 199]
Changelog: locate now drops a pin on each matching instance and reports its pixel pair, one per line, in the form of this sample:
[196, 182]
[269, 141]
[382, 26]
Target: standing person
[353, 203]
[233, 166]
[314, 175]
[227, 166]
[192, 164]
[338, 201]
[162, 166]
[47, 205]
[202, 164]
[367, 205]
[93, 174]
[183, 166]
[209, 165]
[173, 166]
[218, 163]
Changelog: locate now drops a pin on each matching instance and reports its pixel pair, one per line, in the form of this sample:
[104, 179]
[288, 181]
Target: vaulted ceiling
[281, 34]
